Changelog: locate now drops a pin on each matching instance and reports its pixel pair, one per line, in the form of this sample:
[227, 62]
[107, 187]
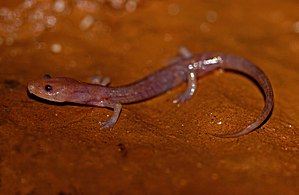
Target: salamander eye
[48, 87]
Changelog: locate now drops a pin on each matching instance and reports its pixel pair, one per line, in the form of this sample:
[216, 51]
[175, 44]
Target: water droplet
[51, 21]
[59, 6]
[173, 9]
[131, 6]
[56, 48]
[211, 16]
[86, 22]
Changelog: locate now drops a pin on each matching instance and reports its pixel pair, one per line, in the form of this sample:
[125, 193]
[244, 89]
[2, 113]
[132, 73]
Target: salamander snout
[33, 87]
[49, 89]
[30, 87]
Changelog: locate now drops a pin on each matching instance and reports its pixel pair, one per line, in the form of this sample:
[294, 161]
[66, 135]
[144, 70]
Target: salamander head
[57, 89]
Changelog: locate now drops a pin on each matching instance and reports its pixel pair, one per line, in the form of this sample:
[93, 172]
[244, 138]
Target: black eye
[48, 87]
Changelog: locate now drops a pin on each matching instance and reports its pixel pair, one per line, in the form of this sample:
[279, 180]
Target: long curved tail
[239, 64]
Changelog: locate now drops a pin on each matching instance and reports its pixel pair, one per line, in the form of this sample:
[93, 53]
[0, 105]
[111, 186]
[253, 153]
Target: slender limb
[116, 112]
[103, 81]
[192, 85]
[184, 53]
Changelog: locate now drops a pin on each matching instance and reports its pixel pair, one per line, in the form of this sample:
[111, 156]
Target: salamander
[187, 68]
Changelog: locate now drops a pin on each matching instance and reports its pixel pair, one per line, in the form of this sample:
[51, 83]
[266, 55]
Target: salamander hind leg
[192, 85]
[116, 112]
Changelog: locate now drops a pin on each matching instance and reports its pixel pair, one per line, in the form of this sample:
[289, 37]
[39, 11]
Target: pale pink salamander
[185, 69]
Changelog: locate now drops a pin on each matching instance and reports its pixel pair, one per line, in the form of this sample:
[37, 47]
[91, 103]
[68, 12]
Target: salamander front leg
[184, 53]
[116, 112]
[192, 85]
[103, 81]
